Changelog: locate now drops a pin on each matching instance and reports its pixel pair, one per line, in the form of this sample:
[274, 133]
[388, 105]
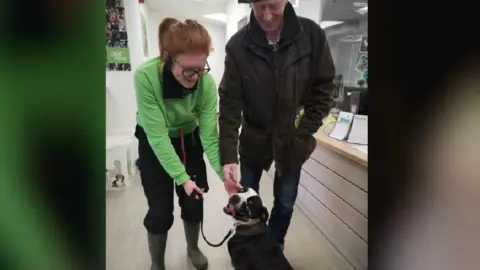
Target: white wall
[235, 12]
[217, 57]
[120, 95]
[311, 9]
[134, 32]
[121, 103]
[144, 12]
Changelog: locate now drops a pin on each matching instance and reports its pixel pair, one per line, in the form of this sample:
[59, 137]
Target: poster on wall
[117, 53]
[364, 45]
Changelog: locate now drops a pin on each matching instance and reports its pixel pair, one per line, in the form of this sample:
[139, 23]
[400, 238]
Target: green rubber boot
[157, 244]
[192, 232]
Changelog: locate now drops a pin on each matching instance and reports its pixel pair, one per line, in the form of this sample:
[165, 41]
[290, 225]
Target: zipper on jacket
[277, 97]
[277, 102]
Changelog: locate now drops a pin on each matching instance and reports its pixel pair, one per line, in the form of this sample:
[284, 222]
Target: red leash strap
[194, 194]
[182, 145]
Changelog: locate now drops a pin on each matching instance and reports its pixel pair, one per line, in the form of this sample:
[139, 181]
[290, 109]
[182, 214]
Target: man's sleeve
[231, 100]
[153, 122]
[320, 100]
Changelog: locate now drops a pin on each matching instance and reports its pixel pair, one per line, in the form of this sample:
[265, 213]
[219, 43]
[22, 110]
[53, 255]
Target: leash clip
[233, 229]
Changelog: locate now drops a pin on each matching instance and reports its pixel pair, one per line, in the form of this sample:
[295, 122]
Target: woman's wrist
[182, 179]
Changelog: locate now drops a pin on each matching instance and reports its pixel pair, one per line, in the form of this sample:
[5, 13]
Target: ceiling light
[358, 4]
[362, 10]
[326, 24]
[221, 17]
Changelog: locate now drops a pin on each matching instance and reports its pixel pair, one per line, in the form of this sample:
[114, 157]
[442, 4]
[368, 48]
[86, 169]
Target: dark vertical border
[52, 107]
[415, 47]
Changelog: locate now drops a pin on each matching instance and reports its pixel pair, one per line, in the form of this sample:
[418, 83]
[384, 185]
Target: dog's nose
[226, 210]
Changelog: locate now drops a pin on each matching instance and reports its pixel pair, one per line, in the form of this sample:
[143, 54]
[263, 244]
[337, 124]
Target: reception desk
[333, 193]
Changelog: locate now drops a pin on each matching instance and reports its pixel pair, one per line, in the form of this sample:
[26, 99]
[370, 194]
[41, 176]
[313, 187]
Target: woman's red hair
[177, 37]
[162, 29]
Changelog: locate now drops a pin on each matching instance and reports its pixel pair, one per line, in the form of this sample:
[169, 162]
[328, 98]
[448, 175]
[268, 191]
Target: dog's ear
[256, 207]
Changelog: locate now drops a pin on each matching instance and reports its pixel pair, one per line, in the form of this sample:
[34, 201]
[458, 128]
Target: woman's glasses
[189, 72]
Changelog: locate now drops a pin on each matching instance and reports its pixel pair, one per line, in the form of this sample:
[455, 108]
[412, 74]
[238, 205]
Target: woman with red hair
[177, 123]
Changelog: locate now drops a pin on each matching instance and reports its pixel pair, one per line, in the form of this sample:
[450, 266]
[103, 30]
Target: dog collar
[245, 223]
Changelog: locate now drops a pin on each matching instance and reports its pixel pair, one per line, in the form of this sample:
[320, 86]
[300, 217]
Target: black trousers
[159, 186]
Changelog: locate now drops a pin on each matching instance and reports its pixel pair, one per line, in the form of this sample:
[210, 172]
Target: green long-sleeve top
[162, 119]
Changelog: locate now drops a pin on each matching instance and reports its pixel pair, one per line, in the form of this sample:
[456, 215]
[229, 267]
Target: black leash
[194, 194]
[230, 232]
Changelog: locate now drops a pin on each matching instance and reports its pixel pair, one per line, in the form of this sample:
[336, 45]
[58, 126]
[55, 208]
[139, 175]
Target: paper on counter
[359, 131]
[342, 126]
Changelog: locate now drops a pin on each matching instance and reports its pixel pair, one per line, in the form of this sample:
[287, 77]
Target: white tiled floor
[306, 248]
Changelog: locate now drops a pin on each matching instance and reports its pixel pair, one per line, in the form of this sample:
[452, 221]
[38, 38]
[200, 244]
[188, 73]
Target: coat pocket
[302, 147]
[254, 143]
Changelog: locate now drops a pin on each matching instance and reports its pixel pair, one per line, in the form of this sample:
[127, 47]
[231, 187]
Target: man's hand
[230, 178]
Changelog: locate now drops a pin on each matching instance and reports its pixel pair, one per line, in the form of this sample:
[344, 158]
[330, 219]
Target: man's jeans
[285, 189]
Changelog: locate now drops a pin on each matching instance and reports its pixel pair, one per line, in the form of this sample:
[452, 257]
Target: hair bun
[163, 28]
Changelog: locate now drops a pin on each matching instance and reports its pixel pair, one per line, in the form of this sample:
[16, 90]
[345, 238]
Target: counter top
[343, 148]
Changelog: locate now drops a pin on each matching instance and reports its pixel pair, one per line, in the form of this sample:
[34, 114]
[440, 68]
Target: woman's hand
[190, 186]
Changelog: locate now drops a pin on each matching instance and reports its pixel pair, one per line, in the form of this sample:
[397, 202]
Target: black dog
[253, 247]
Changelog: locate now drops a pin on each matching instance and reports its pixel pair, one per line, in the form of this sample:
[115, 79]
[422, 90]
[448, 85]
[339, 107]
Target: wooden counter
[333, 193]
[342, 147]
